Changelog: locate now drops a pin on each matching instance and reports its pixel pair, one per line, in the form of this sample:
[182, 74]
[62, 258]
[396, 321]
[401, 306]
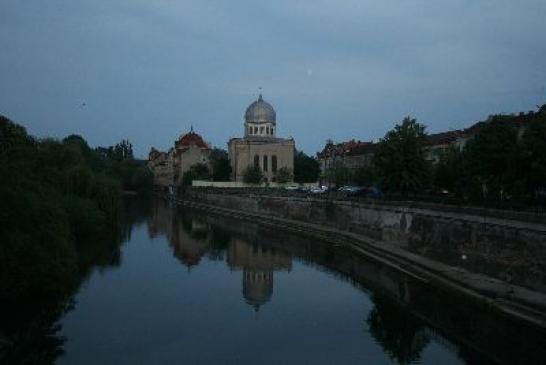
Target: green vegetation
[339, 174]
[400, 158]
[283, 175]
[118, 161]
[252, 175]
[221, 168]
[306, 168]
[59, 200]
[198, 171]
[500, 164]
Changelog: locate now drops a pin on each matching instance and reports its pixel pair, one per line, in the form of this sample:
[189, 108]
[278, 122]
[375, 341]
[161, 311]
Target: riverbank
[392, 236]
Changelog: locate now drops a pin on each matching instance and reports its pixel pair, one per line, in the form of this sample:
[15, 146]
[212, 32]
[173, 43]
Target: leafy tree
[364, 176]
[252, 175]
[198, 171]
[339, 174]
[142, 180]
[534, 153]
[221, 168]
[306, 168]
[123, 150]
[400, 158]
[493, 158]
[283, 175]
[449, 173]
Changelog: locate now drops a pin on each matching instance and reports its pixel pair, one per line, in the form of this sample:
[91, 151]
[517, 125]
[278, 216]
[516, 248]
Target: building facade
[169, 167]
[260, 145]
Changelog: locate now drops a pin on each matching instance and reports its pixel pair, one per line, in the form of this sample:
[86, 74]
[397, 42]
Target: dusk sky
[147, 70]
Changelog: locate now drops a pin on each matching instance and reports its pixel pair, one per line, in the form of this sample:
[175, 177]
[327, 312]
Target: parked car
[367, 191]
[349, 189]
[318, 190]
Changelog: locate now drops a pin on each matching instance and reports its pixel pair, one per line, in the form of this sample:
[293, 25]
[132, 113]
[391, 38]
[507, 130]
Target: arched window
[256, 161]
[265, 163]
[274, 163]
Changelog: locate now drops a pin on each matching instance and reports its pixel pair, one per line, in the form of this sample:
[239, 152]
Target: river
[196, 289]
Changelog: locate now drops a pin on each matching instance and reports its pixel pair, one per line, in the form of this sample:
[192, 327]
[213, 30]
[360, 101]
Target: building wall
[193, 155]
[243, 151]
[161, 167]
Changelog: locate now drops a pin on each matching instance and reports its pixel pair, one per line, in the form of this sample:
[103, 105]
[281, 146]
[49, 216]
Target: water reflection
[407, 315]
[393, 318]
[29, 329]
[191, 238]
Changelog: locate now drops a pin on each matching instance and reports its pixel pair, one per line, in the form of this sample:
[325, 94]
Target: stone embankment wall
[509, 246]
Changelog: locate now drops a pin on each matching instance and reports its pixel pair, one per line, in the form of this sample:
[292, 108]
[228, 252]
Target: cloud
[149, 69]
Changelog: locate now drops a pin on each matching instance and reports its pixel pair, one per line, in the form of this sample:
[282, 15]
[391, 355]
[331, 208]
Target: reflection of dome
[257, 287]
[260, 111]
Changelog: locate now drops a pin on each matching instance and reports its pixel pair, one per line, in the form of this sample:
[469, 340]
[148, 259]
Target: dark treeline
[59, 215]
[503, 164]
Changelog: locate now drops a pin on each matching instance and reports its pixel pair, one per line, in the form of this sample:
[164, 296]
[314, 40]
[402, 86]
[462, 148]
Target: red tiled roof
[191, 138]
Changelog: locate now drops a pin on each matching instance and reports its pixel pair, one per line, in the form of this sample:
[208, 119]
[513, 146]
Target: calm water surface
[195, 289]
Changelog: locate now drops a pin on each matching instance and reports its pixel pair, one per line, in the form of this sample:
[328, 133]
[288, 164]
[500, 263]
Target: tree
[221, 168]
[534, 154]
[306, 168]
[123, 150]
[198, 171]
[252, 175]
[400, 158]
[364, 176]
[449, 173]
[339, 174]
[283, 175]
[493, 158]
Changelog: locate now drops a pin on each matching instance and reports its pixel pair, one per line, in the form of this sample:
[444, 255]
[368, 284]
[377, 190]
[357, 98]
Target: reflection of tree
[29, 325]
[134, 212]
[400, 334]
[219, 242]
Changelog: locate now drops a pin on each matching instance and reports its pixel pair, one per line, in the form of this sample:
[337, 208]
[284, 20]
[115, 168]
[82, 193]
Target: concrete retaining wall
[508, 249]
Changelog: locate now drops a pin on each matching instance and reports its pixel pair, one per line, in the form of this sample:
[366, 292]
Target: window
[256, 161]
[272, 130]
[255, 130]
[249, 130]
[265, 163]
[267, 130]
[274, 163]
[261, 130]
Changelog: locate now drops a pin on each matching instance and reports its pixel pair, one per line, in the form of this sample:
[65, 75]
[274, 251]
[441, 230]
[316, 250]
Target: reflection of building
[260, 147]
[192, 238]
[187, 237]
[169, 167]
[258, 264]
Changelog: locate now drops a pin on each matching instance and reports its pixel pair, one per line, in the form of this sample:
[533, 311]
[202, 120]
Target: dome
[191, 138]
[260, 111]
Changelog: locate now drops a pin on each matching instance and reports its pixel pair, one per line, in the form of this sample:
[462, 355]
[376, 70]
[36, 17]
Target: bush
[252, 175]
[199, 171]
[283, 175]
